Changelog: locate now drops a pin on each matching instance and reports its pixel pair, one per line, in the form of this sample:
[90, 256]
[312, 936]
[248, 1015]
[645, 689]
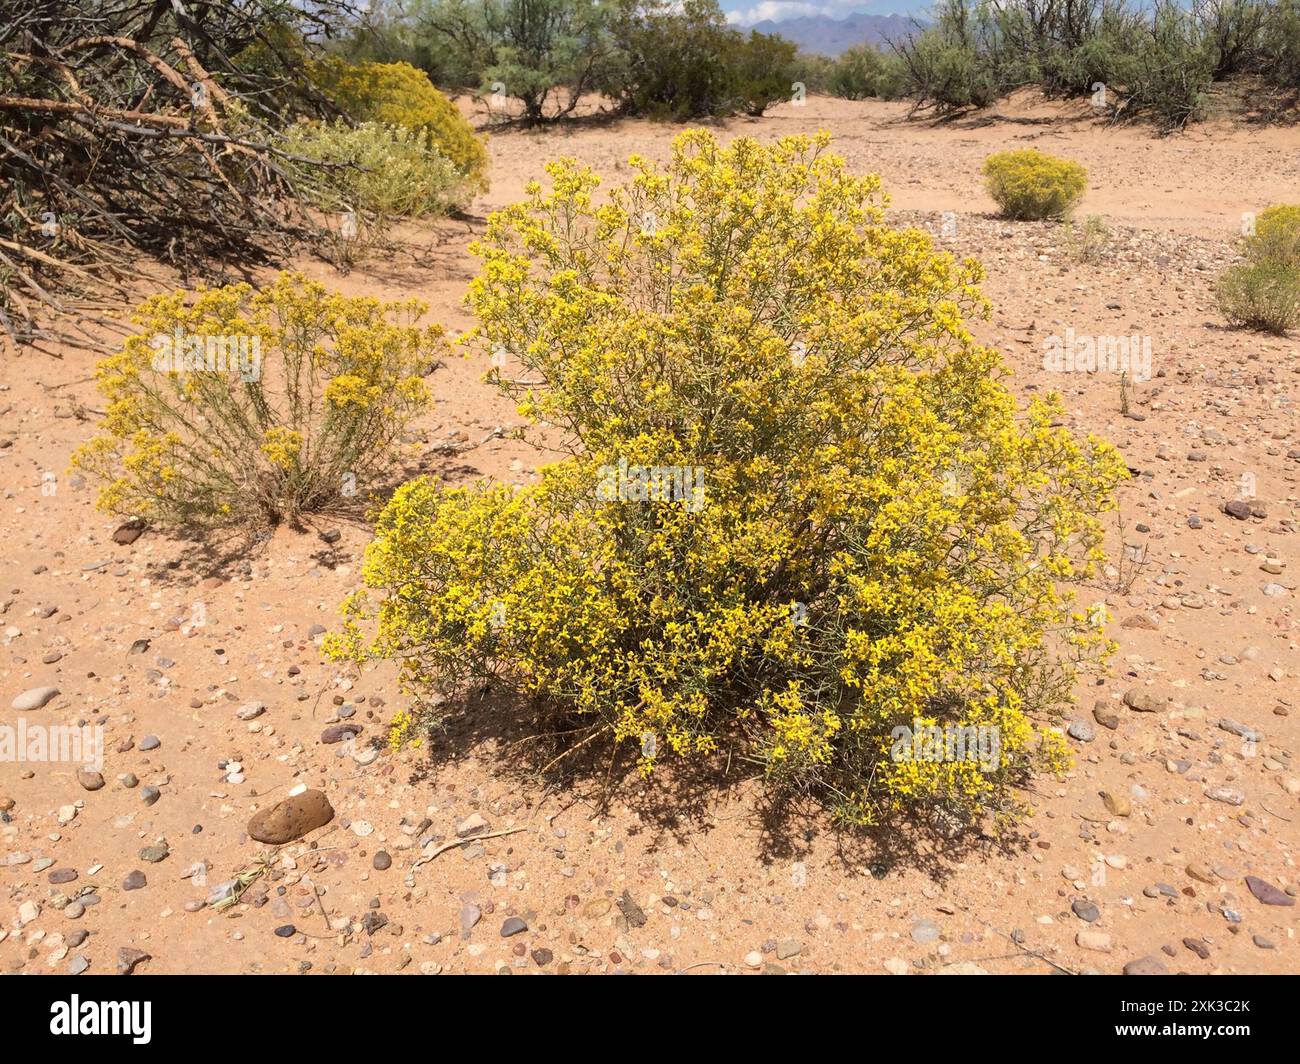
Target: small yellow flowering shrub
[1031, 185]
[798, 510]
[398, 94]
[230, 405]
[1276, 237]
[1263, 293]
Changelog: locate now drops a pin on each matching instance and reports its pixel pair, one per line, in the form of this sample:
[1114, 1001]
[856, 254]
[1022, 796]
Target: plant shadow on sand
[550, 756]
[197, 554]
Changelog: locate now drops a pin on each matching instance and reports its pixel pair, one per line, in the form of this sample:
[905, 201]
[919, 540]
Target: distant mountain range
[830, 36]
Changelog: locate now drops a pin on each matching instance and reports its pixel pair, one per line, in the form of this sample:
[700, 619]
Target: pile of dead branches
[144, 131]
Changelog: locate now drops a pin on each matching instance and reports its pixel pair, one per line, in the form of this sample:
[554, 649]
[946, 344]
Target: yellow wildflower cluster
[885, 538]
[398, 94]
[230, 404]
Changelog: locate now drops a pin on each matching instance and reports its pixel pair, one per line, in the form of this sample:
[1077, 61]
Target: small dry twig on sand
[451, 844]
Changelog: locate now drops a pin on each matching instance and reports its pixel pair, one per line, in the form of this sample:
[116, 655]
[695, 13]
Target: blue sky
[747, 11]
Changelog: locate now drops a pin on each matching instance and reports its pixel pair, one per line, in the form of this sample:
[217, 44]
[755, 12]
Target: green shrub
[1172, 72]
[376, 174]
[1029, 184]
[544, 53]
[948, 75]
[396, 94]
[1261, 295]
[684, 61]
[230, 406]
[813, 71]
[1280, 46]
[760, 70]
[797, 508]
[865, 72]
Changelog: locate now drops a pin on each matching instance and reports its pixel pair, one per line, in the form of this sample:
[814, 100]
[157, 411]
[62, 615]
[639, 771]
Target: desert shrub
[948, 75]
[1261, 295]
[545, 53]
[1030, 184]
[797, 508]
[1276, 237]
[396, 94]
[1088, 241]
[812, 70]
[683, 61]
[959, 61]
[1264, 292]
[863, 72]
[760, 68]
[230, 405]
[1230, 31]
[1280, 45]
[377, 174]
[1172, 71]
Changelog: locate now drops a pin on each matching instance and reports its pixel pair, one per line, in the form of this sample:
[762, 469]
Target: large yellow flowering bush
[799, 510]
[397, 94]
[231, 405]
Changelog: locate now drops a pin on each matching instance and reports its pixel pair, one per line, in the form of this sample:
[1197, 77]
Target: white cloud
[777, 10]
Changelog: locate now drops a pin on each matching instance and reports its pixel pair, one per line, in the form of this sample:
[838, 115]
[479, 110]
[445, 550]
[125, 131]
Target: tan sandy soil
[715, 885]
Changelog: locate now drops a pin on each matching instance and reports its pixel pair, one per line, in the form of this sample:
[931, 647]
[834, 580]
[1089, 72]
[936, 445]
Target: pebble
[128, 957]
[134, 881]
[1266, 893]
[513, 926]
[1140, 700]
[1116, 804]
[150, 742]
[1082, 730]
[924, 932]
[91, 781]
[1145, 966]
[381, 861]
[789, 947]
[35, 698]
[1085, 910]
[471, 825]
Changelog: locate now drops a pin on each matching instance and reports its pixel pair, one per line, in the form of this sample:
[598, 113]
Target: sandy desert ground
[167, 642]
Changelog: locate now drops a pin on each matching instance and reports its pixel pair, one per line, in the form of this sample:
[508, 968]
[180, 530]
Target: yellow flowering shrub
[798, 510]
[1276, 235]
[1263, 293]
[1030, 184]
[398, 94]
[230, 405]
